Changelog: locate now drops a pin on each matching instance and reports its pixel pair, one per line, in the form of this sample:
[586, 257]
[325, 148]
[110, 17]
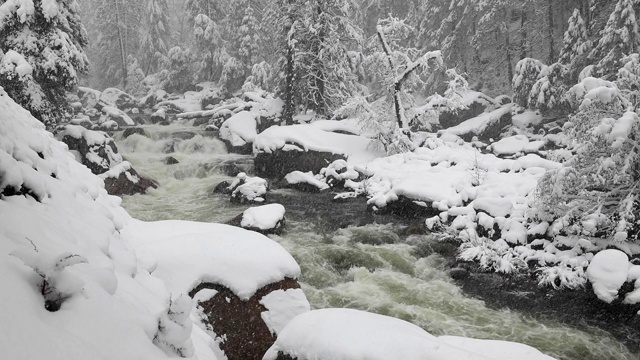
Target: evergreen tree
[248, 33]
[527, 73]
[50, 37]
[575, 45]
[619, 37]
[155, 36]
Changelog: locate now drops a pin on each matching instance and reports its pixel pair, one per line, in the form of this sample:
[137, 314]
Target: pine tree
[248, 33]
[575, 45]
[619, 37]
[155, 36]
[50, 37]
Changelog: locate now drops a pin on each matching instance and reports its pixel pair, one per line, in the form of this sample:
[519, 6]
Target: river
[370, 267]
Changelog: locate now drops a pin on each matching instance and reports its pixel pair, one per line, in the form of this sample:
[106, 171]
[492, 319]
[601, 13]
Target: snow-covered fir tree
[527, 73]
[50, 37]
[576, 45]
[155, 35]
[619, 37]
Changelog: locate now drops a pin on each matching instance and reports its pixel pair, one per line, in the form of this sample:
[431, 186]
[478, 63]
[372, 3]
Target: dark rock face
[246, 149]
[123, 186]
[170, 160]
[101, 150]
[239, 322]
[135, 130]
[492, 131]
[158, 117]
[279, 163]
[407, 208]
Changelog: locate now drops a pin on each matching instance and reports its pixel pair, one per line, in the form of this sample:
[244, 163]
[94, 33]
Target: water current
[369, 267]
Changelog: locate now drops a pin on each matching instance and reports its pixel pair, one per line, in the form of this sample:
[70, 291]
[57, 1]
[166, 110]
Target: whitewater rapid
[368, 267]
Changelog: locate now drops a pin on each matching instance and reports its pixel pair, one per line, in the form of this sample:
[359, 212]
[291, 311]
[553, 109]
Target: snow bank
[241, 260]
[345, 334]
[263, 217]
[66, 231]
[607, 272]
[313, 138]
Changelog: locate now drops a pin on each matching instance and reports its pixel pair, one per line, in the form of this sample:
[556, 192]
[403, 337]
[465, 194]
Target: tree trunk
[552, 47]
[123, 49]
[289, 105]
[523, 33]
[507, 45]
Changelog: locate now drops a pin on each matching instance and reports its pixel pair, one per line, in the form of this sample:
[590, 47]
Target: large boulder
[118, 98]
[97, 151]
[265, 219]
[244, 189]
[249, 327]
[279, 163]
[122, 179]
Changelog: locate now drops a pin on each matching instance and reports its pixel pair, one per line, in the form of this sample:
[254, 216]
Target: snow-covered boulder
[98, 151]
[243, 282]
[280, 150]
[112, 113]
[238, 132]
[122, 179]
[305, 181]
[345, 334]
[607, 272]
[159, 116]
[117, 98]
[474, 103]
[244, 189]
[485, 126]
[265, 219]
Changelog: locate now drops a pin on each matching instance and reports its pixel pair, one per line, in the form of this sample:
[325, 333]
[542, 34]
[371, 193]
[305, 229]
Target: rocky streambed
[383, 263]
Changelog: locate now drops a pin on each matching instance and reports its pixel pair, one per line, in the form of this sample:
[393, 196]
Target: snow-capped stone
[607, 272]
[266, 218]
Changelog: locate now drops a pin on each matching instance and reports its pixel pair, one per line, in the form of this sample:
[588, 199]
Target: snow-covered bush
[57, 284]
[527, 72]
[174, 328]
[596, 192]
[548, 92]
[628, 79]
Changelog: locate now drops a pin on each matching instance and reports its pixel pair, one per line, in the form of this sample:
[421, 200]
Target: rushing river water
[368, 267]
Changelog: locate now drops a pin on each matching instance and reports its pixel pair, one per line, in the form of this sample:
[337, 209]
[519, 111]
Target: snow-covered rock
[345, 334]
[305, 181]
[607, 272]
[264, 219]
[117, 98]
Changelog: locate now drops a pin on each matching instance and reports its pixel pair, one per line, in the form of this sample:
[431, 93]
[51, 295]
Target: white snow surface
[516, 144]
[607, 272]
[14, 62]
[240, 128]
[113, 304]
[188, 253]
[282, 307]
[346, 334]
[263, 217]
